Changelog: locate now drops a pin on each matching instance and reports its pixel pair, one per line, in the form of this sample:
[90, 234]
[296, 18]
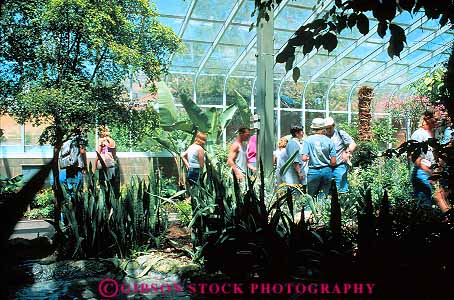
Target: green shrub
[383, 173]
[42, 206]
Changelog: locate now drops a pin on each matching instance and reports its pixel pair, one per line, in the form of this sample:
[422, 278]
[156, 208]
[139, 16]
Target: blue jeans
[193, 175]
[72, 180]
[340, 175]
[319, 180]
[422, 189]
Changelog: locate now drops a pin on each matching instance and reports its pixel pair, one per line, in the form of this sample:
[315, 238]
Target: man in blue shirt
[345, 146]
[320, 152]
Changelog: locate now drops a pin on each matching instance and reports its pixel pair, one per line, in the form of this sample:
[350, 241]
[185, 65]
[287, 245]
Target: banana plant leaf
[243, 109]
[167, 108]
[196, 114]
[183, 126]
[226, 117]
[288, 163]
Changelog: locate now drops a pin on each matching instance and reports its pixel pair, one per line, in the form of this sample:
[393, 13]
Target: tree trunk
[59, 197]
[365, 95]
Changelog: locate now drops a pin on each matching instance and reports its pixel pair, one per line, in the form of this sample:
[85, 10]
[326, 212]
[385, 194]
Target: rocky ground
[36, 274]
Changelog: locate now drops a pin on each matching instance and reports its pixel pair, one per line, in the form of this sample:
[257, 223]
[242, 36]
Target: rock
[160, 262]
[22, 249]
[69, 270]
[87, 294]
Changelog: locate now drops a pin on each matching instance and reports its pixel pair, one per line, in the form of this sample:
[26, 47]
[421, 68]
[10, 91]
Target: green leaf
[363, 24]
[352, 20]
[167, 108]
[195, 113]
[243, 109]
[227, 116]
[308, 46]
[289, 63]
[329, 41]
[288, 163]
[181, 125]
[283, 56]
[296, 74]
[381, 29]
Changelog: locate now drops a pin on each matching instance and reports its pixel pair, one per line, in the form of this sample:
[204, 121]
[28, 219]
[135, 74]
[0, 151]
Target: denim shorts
[422, 188]
[319, 180]
[340, 175]
[193, 175]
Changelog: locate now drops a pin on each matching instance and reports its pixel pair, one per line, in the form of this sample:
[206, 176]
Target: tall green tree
[64, 62]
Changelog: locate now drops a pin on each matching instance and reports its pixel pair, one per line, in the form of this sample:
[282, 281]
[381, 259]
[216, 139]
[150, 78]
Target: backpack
[69, 154]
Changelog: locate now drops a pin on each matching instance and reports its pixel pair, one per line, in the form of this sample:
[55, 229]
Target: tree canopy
[64, 62]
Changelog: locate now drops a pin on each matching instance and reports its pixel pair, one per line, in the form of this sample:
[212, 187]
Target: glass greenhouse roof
[217, 41]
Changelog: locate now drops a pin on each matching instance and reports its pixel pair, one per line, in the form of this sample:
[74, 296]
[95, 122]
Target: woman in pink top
[252, 153]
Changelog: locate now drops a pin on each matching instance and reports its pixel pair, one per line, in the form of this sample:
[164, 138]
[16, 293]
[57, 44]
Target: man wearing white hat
[319, 150]
[344, 148]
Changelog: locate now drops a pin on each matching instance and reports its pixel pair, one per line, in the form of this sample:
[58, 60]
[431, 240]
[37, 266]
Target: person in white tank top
[238, 153]
[194, 158]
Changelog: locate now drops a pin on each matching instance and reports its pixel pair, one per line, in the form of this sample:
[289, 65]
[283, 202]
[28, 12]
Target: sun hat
[318, 123]
[329, 121]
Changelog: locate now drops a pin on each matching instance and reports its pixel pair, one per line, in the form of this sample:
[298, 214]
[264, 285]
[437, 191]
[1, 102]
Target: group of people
[321, 157]
[425, 190]
[73, 160]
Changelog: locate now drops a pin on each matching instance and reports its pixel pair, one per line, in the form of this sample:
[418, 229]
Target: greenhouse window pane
[180, 85]
[291, 94]
[388, 72]
[338, 97]
[364, 50]
[315, 95]
[291, 18]
[238, 35]
[213, 9]
[364, 70]
[242, 85]
[339, 67]
[244, 13]
[209, 90]
[288, 120]
[224, 56]
[281, 38]
[193, 55]
[406, 18]
[305, 3]
[173, 23]
[173, 7]
[201, 31]
[436, 60]
[339, 118]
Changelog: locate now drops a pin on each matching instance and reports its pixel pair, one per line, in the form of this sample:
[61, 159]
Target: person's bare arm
[184, 157]
[346, 154]
[305, 157]
[333, 161]
[298, 171]
[422, 166]
[201, 155]
[83, 154]
[233, 153]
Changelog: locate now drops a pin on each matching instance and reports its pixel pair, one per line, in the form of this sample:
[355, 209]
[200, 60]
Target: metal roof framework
[219, 43]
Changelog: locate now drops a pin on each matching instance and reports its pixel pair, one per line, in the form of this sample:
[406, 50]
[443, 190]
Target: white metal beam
[220, 34]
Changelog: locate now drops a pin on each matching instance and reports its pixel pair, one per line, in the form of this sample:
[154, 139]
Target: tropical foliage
[99, 223]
